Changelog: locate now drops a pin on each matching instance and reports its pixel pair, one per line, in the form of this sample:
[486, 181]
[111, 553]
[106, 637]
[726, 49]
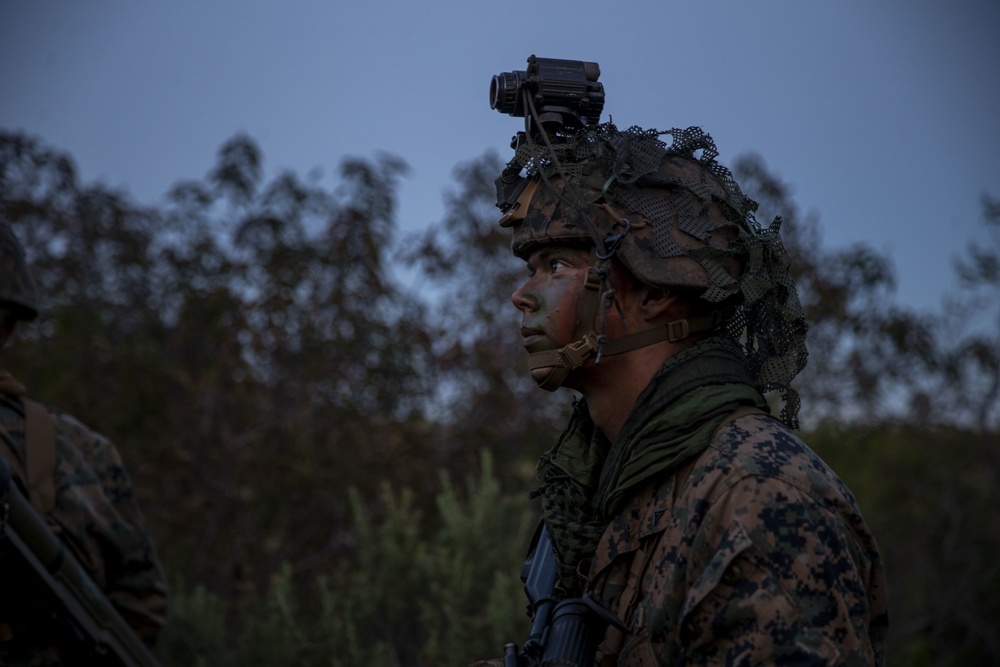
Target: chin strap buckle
[576, 353]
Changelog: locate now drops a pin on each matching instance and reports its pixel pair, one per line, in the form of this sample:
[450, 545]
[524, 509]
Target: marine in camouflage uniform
[86, 499]
[674, 496]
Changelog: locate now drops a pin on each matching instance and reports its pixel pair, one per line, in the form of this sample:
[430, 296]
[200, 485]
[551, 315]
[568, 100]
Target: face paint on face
[549, 300]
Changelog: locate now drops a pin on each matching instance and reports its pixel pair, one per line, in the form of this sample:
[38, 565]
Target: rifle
[98, 627]
[565, 631]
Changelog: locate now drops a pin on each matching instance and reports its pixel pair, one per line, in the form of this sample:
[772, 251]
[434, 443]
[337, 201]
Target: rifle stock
[565, 631]
[103, 628]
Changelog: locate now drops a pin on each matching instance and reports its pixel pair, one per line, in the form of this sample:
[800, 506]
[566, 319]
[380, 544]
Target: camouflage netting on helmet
[769, 322]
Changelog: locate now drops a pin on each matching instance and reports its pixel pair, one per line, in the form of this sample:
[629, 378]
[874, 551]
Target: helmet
[17, 290]
[675, 218]
[675, 224]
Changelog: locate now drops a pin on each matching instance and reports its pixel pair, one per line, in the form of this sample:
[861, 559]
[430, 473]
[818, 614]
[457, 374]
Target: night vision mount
[555, 97]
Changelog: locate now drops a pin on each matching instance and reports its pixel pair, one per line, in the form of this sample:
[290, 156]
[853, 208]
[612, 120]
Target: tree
[971, 364]
[244, 345]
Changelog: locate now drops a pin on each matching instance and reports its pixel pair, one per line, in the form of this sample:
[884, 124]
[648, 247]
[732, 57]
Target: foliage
[437, 589]
[929, 496]
[244, 346]
[971, 359]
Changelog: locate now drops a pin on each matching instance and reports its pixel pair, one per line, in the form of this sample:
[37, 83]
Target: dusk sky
[882, 116]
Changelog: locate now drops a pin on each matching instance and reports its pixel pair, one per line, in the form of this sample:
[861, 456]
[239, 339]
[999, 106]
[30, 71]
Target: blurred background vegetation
[332, 433]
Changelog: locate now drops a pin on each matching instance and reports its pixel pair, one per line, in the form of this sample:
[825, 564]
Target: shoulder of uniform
[761, 447]
[758, 440]
[68, 425]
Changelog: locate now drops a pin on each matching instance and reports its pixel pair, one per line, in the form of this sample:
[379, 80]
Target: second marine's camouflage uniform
[75, 478]
[96, 516]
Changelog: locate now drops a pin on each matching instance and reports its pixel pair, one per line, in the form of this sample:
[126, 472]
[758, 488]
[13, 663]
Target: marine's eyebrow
[570, 255]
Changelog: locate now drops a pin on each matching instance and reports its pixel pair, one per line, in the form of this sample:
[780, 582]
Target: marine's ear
[659, 303]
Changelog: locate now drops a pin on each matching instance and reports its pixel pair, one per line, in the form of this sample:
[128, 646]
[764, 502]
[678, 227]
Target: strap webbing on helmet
[576, 353]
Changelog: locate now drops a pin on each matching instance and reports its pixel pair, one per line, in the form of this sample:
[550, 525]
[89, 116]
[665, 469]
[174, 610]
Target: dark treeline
[335, 468]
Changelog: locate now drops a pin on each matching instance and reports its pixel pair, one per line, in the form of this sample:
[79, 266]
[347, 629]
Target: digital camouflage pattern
[760, 557]
[96, 516]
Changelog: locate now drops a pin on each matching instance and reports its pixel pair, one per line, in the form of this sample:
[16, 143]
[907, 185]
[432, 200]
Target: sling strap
[40, 456]
[37, 471]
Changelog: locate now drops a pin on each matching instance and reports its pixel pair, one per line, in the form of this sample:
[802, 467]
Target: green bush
[929, 495]
[195, 634]
[439, 588]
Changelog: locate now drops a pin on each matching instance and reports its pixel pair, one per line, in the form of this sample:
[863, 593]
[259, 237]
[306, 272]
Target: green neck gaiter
[587, 481]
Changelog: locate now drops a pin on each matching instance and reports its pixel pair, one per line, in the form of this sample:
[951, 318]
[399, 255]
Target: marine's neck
[612, 386]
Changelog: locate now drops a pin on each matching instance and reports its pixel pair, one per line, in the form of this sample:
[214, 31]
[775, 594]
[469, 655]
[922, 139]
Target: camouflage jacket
[96, 516]
[754, 553]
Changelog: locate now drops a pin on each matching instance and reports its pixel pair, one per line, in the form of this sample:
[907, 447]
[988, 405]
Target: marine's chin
[549, 378]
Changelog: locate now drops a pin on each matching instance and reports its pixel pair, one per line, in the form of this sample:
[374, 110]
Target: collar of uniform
[647, 515]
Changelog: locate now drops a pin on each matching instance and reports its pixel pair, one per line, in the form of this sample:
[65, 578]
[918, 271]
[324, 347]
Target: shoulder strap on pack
[40, 456]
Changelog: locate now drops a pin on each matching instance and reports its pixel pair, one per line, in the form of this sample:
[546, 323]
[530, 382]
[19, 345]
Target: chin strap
[589, 343]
